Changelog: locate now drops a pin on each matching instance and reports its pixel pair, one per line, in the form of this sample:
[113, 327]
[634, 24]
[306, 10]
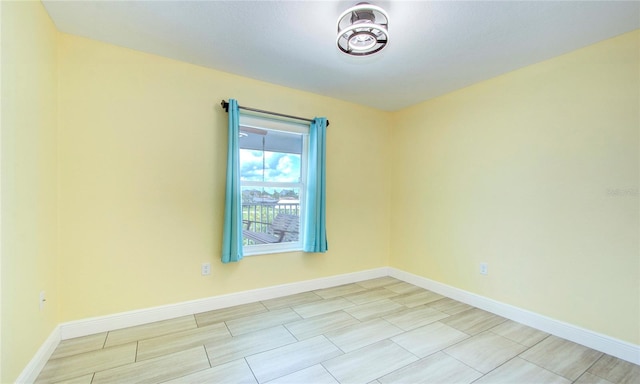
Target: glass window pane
[272, 141]
[271, 156]
[251, 165]
[270, 215]
[282, 167]
[271, 178]
[269, 166]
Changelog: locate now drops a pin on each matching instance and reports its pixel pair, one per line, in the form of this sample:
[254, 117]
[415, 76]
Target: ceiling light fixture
[363, 30]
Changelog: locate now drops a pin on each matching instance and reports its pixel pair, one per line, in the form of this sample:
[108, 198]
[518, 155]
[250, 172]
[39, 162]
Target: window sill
[270, 249]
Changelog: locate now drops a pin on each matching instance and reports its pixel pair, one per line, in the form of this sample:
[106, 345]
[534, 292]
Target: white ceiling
[435, 46]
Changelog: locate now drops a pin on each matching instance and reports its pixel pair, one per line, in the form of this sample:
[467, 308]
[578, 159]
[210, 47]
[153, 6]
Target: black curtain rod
[225, 106]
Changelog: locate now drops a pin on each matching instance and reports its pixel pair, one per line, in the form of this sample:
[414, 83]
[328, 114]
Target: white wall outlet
[484, 268]
[206, 269]
[42, 299]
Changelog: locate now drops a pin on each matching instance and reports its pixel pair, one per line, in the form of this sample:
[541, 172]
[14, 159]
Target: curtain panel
[315, 234]
[232, 231]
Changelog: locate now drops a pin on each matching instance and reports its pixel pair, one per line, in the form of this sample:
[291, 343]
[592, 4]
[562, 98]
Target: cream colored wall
[536, 173]
[142, 172]
[29, 183]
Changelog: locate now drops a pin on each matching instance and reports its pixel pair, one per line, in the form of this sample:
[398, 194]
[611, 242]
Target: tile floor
[376, 331]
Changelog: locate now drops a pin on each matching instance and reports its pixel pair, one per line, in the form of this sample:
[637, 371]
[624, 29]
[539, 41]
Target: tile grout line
[251, 369]
[262, 351]
[500, 365]
[380, 318]
[460, 361]
[207, 354]
[419, 358]
[334, 344]
[195, 318]
[589, 367]
[227, 327]
[547, 369]
[105, 369]
[404, 366]
[289, 331]
[329, 372]
[104, 343]
[516, 356]
[503, 363]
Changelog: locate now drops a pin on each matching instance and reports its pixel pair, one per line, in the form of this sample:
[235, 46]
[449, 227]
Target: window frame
[270, 124]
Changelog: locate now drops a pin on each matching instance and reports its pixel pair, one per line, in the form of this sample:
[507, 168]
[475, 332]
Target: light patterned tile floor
[376, 331]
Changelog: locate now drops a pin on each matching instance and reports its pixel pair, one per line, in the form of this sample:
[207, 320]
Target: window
[281, 161]
[273, 167]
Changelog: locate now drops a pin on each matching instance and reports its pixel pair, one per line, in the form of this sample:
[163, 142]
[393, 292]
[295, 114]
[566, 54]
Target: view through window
[272, 178]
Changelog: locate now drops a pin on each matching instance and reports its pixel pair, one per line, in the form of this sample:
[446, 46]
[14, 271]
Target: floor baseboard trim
[609, 345]
[30, 373]
[106, 323]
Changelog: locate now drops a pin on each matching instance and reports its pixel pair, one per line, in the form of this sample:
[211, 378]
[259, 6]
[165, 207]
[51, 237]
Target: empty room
[320, 192]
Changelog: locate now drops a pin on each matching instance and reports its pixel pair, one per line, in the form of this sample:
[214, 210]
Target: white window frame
[251, 121]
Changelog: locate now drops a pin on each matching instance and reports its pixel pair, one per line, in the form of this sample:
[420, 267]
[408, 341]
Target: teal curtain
[232, 232]
[315, 234]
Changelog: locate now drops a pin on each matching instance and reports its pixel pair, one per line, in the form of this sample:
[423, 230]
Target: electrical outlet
[484, 269]
[206, 269]
[42, 299]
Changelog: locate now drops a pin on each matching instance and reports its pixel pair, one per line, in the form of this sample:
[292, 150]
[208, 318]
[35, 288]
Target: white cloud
[273, 166]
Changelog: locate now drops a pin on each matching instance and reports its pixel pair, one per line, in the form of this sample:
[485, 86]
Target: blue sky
[282, 167]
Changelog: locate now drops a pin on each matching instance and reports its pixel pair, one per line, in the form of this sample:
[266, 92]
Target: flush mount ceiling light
[363, 30]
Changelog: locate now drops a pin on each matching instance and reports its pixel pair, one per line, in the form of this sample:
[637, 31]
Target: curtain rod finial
[225, 105]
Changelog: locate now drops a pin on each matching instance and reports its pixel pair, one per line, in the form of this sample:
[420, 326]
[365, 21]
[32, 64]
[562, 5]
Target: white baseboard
[32, 370]
[609, 345]
[94, 325]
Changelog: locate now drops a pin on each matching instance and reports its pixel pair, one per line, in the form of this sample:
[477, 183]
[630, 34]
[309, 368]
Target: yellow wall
[29, 183]
[536, 173]
[142, 172]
